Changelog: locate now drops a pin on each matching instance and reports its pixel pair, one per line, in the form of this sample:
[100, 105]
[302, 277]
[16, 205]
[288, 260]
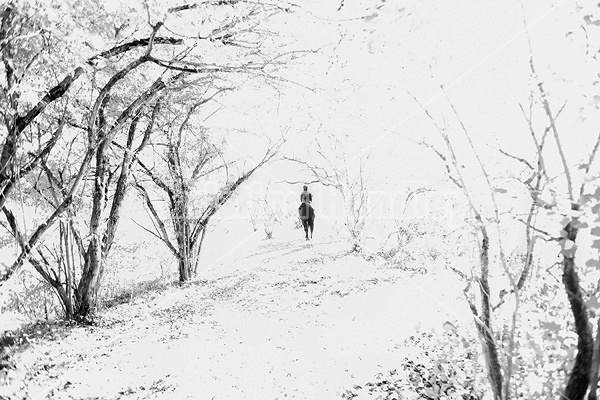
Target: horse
[307, 216]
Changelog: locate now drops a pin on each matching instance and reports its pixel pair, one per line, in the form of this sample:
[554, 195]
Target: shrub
[445, 368]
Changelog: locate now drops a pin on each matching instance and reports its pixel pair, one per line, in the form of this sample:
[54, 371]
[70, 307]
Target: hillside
[284, 318]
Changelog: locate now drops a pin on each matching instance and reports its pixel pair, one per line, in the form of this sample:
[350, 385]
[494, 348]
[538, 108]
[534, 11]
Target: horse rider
[307, 213]
[305, 196]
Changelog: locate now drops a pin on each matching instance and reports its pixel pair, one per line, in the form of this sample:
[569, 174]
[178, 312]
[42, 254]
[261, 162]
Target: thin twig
[589, 164]
[522, 160]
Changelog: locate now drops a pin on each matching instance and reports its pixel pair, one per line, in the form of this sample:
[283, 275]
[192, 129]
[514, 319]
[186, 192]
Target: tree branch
[158, 223]
[61, 88]
[521, 160]
[589, 164]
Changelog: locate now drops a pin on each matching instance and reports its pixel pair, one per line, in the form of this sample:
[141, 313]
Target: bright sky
[370, 59]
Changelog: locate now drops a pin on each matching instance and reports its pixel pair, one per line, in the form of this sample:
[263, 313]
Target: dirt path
[288, 319]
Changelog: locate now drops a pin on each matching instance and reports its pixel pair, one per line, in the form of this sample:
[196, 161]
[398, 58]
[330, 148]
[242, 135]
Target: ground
[283, 318]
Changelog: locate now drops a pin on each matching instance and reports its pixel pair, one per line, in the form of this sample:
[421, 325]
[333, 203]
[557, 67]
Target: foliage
[544, 342]
[444, 367]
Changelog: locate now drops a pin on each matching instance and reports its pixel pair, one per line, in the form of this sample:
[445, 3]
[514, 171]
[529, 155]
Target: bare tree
[264, 213]
[184, 172]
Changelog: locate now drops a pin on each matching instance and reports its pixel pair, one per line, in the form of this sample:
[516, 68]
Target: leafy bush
[445, 368]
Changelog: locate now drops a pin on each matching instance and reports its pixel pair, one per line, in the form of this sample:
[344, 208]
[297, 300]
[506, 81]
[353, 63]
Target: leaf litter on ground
[283, 320]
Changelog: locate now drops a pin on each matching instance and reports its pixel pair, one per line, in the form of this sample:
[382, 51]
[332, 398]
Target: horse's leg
[311, 224]
[305, 225]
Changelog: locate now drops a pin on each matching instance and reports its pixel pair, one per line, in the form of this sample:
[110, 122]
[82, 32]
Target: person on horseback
[305, 202]
[306, 211]
[305, 196]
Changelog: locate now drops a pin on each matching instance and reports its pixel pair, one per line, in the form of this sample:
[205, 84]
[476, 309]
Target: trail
[284, 319]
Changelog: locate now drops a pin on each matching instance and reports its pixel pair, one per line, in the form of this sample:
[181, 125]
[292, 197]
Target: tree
[123, 72]
[100, 132]
[192, 159]
[24, 64]
[584, 373]
[60, 265]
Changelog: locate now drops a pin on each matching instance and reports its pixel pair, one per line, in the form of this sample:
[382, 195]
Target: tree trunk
[9, 147]
[185, 269]
[181, 226]
[189, 250]
[579, 379]
[89, 284]
[595, 366]
[199, 250]
[189, 243]
[490, 349]
[66, 250]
